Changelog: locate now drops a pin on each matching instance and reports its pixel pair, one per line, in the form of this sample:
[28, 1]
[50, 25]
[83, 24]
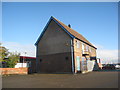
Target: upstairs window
[90, 49]
[82, 46]
[87, 48]
[78, 44]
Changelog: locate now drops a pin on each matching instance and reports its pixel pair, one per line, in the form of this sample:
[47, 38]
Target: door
[84, 64]
[78, 63]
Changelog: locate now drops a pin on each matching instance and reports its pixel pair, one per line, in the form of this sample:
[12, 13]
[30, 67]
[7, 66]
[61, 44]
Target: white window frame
[83, 47]
[87, 48]
[78, 44]
[78, 63]
[90, 49]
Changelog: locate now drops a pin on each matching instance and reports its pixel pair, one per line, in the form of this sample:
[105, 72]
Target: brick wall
[5, 71]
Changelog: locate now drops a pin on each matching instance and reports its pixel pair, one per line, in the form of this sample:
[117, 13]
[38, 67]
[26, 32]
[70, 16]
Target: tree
[9, 58]
[3, 53]
[13, 58]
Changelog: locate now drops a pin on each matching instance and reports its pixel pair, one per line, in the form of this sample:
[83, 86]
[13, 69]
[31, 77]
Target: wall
[55, 63]
[32, 68]
[31, 63]
[93, 52]
[53, 49]
[78, 51]
[18, 65]
[5, 71]
[54, 40]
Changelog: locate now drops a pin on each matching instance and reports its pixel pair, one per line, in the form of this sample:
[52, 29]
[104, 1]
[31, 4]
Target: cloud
[21, 48]
[107, 55]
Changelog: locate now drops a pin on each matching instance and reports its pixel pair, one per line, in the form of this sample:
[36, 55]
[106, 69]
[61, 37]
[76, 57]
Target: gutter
[72, 56]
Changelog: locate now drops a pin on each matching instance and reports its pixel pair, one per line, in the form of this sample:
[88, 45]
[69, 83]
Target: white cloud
[107, 55]
[21, 48]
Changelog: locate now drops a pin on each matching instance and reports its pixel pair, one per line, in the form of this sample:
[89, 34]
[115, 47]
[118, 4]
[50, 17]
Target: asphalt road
[102, 79]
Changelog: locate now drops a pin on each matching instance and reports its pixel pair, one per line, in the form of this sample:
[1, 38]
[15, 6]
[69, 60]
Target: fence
[87, 65]
[5, 71]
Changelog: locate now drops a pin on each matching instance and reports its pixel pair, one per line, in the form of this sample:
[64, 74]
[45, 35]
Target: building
[24, 61]
[61, 49]
[31, 61]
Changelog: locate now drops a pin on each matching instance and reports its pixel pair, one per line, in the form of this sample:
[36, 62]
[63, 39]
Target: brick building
[62, 49]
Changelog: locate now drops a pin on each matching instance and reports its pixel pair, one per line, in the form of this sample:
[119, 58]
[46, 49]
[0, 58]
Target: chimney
[69, 25]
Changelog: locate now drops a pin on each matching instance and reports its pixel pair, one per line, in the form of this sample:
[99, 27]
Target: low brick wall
[5, 71]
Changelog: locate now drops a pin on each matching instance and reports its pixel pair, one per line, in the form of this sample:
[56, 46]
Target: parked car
[108, 67]
[117, 66]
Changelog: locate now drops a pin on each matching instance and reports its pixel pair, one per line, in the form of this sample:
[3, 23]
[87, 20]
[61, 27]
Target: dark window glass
[66, 58]
[40, 60]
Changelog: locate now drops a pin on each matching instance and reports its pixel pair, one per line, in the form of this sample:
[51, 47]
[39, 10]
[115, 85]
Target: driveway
[102, 79]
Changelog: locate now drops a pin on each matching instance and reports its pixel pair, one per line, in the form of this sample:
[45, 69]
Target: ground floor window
[78, 62]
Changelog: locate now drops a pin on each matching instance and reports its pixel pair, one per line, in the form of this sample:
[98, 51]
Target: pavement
[102, 79]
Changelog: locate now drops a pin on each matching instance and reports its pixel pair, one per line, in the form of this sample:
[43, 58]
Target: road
[108, 79]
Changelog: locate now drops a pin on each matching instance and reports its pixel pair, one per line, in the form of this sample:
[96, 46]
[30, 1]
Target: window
[90, 49]
[78, 44]
[87, 48]
[78, 62]
[82, 46]
[66, 58]
[40, 60]
[84, 64]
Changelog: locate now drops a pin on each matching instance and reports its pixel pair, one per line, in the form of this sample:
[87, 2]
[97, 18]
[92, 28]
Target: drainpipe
[72, 56]
[36, 65]
[36, 58]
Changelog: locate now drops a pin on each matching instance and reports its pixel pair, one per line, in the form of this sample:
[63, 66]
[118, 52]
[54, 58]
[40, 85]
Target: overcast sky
[96, 21]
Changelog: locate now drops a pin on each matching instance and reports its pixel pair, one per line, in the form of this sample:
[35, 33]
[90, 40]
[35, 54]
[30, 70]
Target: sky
[23, 22]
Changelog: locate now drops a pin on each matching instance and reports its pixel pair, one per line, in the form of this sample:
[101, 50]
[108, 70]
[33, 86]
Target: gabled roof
[70, 31]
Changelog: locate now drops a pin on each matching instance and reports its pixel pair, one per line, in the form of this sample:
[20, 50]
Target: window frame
[87, 48]
[78, 44]
[83, 47]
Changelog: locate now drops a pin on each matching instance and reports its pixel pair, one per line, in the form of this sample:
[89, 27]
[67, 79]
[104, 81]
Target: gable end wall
[54, 50]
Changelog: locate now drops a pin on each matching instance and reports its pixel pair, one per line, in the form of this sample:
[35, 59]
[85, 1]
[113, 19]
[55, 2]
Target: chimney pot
[69, 25]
